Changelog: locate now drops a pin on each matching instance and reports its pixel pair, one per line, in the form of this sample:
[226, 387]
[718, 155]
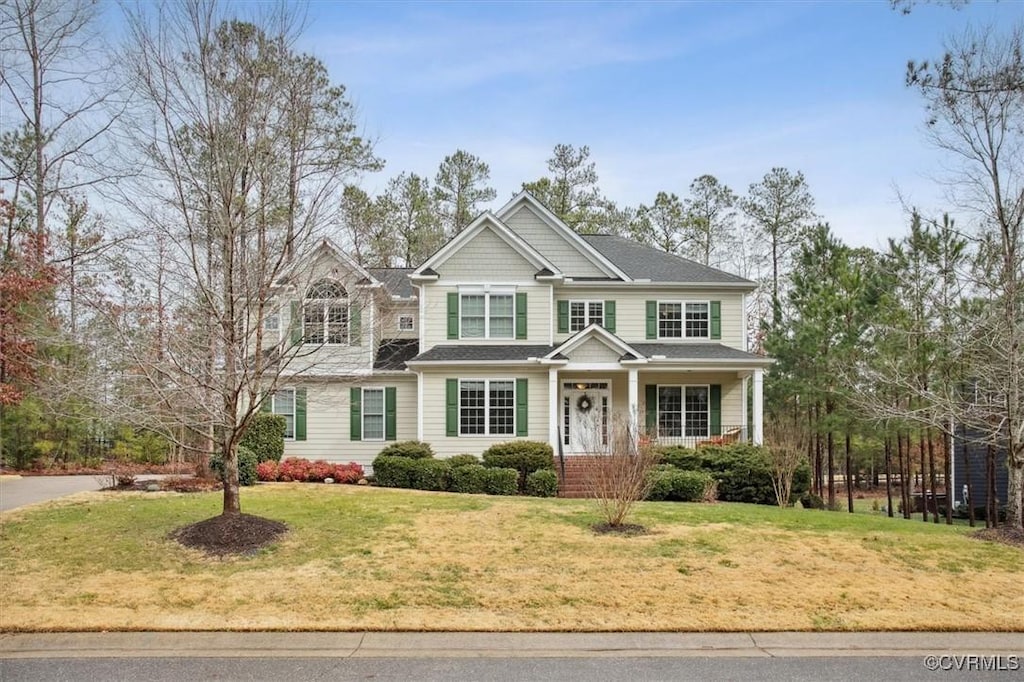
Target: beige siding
[434, 418]
[564, 255]
[388, 328]
[631, 311]
[732, 391]
[327, 420]
[538, 315]
[593, 350]
[487, 258]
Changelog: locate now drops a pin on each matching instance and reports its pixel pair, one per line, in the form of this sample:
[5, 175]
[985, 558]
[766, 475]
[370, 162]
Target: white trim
[682, 407]
[419, 407]
[487, 292]
[570, 283]
[570, 384]
[383, 414]
[586, 313]
[487, 407]
[552, 314]
[591, 331]
[682, 304]
[273, 408]
[758, 417]
[422, 334]
[483, 221]
[553, 402]
[335, 250]
[412, 320]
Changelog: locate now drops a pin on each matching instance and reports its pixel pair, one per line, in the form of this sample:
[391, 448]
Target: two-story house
[521, 328]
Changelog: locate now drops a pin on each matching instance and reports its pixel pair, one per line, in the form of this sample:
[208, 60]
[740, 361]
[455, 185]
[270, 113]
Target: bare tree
[787, 450]
[617, 474]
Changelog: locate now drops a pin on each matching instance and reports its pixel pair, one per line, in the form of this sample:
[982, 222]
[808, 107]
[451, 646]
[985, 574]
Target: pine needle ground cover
[379, 559]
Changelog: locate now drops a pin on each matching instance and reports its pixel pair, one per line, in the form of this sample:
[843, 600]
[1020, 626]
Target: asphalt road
[599, 669]
[17, 492]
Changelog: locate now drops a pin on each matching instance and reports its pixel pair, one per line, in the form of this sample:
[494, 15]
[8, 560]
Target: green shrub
[501, 481]
[680, 457]
[677, 485]
[811, 501]
[429, 474]
[462, 460]
[469, 478]
[542, 483]
[265, 436]
[411, 449]
[525, 456]
[247, 464]
[393, 472]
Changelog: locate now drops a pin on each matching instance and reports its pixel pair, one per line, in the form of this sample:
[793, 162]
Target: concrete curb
[501, 644]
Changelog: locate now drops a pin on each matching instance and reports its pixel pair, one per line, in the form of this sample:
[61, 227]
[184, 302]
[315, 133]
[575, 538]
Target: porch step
[572, 484]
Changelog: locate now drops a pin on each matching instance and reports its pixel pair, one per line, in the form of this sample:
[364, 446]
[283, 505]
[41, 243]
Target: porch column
[634, 407]
[758, 435]
[553, 408]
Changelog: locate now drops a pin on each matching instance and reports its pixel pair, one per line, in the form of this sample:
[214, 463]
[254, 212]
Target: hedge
[429, 474]
[247, 463]
[501, 481]
[542, 483]
[525, 456]
[411, 449]
[265, 436]
[393, 472]
[469, 478]
[678, 485]
[462, 460]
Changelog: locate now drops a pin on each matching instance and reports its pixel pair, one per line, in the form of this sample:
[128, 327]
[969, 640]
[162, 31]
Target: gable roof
[698, 352]
[395, 280]
[485, 220]
[644, 262]
[594, 331]
[331, 248]
[524, 198]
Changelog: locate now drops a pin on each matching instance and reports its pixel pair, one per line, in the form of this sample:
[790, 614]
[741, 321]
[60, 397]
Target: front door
[585, 411]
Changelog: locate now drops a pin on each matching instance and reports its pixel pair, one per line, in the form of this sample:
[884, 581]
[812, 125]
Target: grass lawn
[368, 558]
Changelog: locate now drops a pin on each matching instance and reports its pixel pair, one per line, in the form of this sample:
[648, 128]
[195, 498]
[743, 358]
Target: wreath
[584, 404]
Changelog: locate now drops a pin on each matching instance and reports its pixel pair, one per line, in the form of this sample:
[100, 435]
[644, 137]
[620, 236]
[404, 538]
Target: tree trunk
[922, 452]
[947, 472]
[992, 504]
[849, 475]
[933, 482]
[888, 476]
[831, 472]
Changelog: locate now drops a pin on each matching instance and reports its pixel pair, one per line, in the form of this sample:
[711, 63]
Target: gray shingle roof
[396, 280]
[694, 351]
[643, 262]
[482, 353]
[393, 354]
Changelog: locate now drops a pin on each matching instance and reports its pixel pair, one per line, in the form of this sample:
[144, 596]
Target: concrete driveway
[17, 492]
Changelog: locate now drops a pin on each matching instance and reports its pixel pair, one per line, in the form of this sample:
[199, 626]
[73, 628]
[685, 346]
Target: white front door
[585, 416]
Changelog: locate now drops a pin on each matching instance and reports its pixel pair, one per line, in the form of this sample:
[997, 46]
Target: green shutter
[521, 315]
[651, 407]
[522, 408]
[390, 416]
[355, 414]
[652, 319]
[451, 404]
[716, 319]
[563, 317]
[355, 325]
[715, 399]
[300, 414]
[453, 315]
[609, 316]
[295, 324]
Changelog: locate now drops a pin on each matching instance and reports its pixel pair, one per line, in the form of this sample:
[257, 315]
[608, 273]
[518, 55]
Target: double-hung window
[585, 313]
[373, 414]
[487, 315]
[684, 320]
[283, 404]
[683, 411]
[487, 407]
[325, 315]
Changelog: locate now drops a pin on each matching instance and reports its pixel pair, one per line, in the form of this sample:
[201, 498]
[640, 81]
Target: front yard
[367, 558]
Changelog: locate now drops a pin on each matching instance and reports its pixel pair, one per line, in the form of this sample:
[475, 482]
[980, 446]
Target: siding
[539, 317]
[388, 328]
[327, 420]
[976, 469]
[565, 256]
[593, 350]
[486, 257]
[732, 391]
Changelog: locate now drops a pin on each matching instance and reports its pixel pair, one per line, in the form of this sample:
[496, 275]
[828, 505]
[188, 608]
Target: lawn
[366, 558]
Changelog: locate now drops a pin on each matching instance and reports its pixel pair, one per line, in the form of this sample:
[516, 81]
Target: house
[517, 328]
[979, 474]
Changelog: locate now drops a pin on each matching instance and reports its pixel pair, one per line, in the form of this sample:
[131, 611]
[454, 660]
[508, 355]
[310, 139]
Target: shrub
[267, 471]
[462, 460]
[246, 466]
[411, 449]
[293, 469]
[501, 481]
[265, 436]
[469, 478]
[393, 472]
[674, 484]
[347, 473]
[429, 474]
[319, 470]
[680, 457]
[542, 483]
[525, 456]
[811, 501]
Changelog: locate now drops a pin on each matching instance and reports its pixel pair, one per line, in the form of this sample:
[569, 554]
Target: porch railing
[729, 434]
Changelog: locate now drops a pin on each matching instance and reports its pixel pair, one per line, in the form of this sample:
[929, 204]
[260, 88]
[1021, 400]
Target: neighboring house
[980, 469]
[518, 328]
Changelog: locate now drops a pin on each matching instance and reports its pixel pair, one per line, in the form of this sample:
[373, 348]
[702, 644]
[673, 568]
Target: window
[678, 320]
[373, 414]
[487, 407]
[487, 316]
[325, 315]
[272, 320]
[683, 411]
[406, 323]
[283, 403]
[584, 313]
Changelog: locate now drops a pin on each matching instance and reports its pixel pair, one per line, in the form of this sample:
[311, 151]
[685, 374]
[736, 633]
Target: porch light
[581, 386]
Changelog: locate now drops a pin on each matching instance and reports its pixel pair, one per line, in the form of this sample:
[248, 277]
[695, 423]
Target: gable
[593, 350]
[486, 256]
[550, 244]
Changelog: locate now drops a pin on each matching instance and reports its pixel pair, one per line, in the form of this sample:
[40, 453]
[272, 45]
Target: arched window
[325, 313]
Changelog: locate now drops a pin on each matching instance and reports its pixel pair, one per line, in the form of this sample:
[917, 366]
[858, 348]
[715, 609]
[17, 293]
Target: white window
[373, 414]
[272, 320]
[684, 320]
[487, 407]
[283, 403]
[487, 316]
[683, 411]
[406, 323]
[584, 313]
[325, 314]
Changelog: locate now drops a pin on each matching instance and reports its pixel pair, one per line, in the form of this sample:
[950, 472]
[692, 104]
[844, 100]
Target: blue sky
[660, 92]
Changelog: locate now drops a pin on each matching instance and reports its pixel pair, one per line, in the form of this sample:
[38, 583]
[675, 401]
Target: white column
[419, 406]
[758, 406]
[553, 408]
[745, 419]
[634, 406]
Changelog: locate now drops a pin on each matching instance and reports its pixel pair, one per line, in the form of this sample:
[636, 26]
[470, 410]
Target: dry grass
[400, 560]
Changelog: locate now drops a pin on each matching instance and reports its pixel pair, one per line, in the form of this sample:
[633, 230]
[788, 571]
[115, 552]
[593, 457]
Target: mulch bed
[622, 529]
[230, 534]
[177, 484]
[1004, 534]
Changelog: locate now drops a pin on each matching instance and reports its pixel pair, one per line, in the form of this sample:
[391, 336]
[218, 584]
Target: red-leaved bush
[292, 469]
[318, 471]
[267, 471]
[347, 473]
[297, 469]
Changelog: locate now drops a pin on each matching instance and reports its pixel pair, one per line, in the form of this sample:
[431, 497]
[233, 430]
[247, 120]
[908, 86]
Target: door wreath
[584, 404]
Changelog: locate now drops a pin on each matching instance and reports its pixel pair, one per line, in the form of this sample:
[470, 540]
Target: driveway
[17, 492]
